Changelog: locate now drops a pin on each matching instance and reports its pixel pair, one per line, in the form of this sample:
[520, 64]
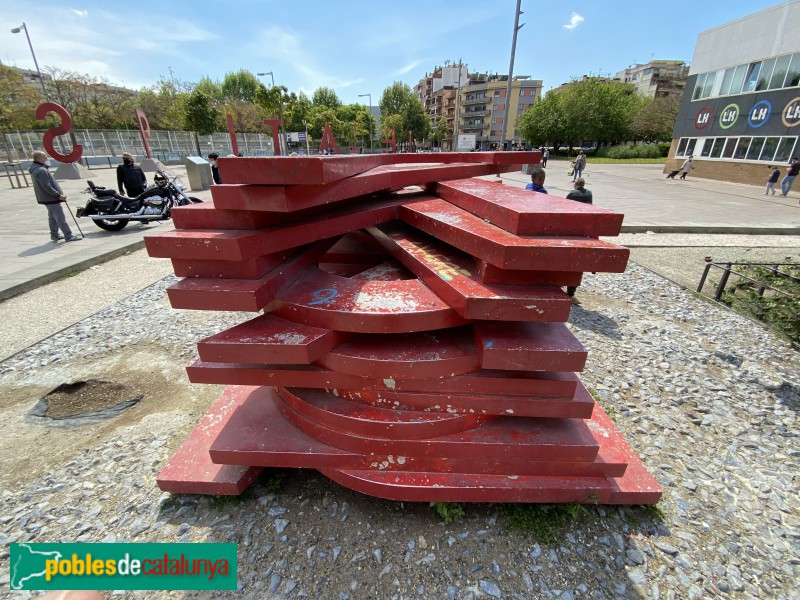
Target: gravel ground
[709, 399]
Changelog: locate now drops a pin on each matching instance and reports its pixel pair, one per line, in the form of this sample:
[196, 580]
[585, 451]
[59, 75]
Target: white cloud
[81, 13]
[574, 20]
[407, 68]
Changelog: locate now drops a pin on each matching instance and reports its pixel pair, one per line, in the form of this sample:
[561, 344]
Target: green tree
[296, 112]
[440, 131]
[241, 85]
[326, 97]
[398, 100]
[654, 119]
[201, 117]
[18, 100]
[544, 122]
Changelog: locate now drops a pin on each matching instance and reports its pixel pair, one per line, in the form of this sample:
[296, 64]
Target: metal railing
[729, 268]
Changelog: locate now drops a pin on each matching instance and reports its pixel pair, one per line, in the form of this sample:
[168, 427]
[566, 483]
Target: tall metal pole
[35, 62]
[282, 137]
[458, 97]
[517, 27]
[370, 118]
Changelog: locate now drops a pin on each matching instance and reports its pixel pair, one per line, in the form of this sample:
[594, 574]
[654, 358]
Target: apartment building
[482, 104]
[657, 78]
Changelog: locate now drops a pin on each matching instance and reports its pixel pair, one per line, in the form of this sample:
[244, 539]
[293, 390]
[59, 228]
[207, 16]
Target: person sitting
[580, 193]
[537, 180]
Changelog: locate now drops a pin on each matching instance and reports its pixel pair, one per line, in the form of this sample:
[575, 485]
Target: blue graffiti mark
[489, 344]
[323, 296]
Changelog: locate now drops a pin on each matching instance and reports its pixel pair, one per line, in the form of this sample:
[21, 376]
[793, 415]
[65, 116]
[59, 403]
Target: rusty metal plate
[497, 246]
[269, 340]
[346, 304]
[453, 276]
[528, 346]
[528, 213]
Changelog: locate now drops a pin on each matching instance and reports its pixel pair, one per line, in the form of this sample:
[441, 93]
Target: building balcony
[474, 113]
[486, 100]
[472, 127]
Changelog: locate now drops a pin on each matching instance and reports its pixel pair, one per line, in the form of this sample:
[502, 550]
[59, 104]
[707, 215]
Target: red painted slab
[361, 186]
[528, 213]
[528, 346]
[190, 470]
[258, 434]
[293, 170]
[453, 276]
[500, 439]
[578, 407]
[318, 170]
[474, 236]
[346, 304]
[422, 355]
[208, 216]
[362, 419]
[244, 244]
[497, 383]
[386, 271]
[636, 486]
[269, 340]
[240, 294]
[489, 274]
[252, 268]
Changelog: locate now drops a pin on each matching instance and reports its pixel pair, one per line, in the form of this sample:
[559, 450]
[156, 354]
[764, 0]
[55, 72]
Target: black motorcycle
[112, 211]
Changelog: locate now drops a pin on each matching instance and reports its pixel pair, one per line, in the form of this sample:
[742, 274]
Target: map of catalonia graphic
[28, 564]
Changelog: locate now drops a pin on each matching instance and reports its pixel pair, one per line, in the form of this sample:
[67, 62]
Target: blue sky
[355, 47]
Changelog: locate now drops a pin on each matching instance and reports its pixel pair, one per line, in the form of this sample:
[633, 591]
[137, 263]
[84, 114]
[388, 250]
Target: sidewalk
[649, 201]
[28, 259]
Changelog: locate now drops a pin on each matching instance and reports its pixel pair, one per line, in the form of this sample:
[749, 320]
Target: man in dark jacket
[50, 194]
[580, 194]
[131, 176]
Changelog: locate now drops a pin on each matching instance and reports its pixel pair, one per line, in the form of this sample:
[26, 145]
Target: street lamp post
[35, 62]
[370, 118]
[305, 124]
[282, 140]
[517, 27]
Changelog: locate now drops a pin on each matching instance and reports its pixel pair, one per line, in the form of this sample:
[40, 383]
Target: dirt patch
[89, 398]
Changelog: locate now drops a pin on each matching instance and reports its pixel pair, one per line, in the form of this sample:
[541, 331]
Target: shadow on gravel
[595, 321]
[789, 395]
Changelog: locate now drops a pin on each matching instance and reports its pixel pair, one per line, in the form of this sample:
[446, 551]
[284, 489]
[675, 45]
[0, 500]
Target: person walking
[212, 159]
[579, 194]
[131, 176]
[580, 165]
[773, 179]
[545, 155]
[791, 174]
[537, 180]
[687, 166]
[50, 194]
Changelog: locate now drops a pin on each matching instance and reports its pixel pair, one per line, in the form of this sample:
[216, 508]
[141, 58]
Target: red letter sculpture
[63, 129]
[144, 130]
[232, 133]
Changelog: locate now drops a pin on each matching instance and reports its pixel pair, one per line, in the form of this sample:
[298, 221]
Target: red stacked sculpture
[412, 344]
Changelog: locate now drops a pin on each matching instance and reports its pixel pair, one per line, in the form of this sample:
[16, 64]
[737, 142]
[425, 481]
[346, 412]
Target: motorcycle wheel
[192, 198]
[112, 224]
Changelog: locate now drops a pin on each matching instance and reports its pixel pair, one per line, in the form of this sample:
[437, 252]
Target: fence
[107, 144]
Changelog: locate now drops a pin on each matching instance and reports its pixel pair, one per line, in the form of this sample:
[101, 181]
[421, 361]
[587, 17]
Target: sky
[354, 47]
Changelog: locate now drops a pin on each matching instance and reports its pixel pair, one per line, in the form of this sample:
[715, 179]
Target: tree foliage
[402, 111]
[201, 116]
[240, 85]
[654, 119]
[18, 100]
[326, 97]
[587, 111]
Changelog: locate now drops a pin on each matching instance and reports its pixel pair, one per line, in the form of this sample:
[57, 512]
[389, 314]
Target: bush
[664, 149]
[638, 151]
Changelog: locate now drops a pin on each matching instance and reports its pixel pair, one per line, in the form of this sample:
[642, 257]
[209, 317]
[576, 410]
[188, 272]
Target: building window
[755, 148]
[770, 145]
[717, 149]
[779, 72]
[752, 77]
[765, 74]
[681, 147]
[785, 149]
[793, 74]
[730, 145]
[741, 148]
[698, 86]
